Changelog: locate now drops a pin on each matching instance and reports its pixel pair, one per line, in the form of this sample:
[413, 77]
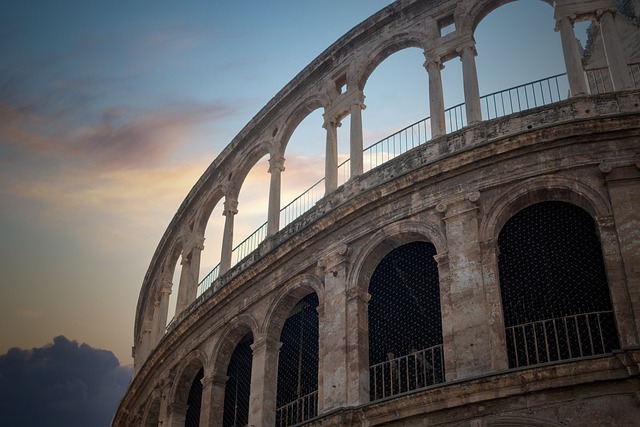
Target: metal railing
[418, 369]
[599, 79]
[298, 411]
[567, 337]
[519, 98]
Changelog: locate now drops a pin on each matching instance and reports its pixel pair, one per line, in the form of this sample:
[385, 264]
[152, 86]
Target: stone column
[572, 57]
[331, 155]
[436, 98]
[177, 414]
[264, 382]
[276, 167]
[464, 306]
[344, 356]
[470, 80]
[620, 238]
[145, 345]
[230, 210]
[164, 417]
[212, 408]
[356, 145]
[160, 325]
[614, 51]
[188, 288]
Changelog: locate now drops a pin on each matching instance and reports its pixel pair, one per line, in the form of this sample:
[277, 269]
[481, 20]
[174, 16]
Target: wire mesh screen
[554, 287]
[297, 398]
[405, 326]
[194, 401]
[236, 393]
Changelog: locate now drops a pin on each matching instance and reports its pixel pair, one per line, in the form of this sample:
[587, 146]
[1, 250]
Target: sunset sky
[110, 111]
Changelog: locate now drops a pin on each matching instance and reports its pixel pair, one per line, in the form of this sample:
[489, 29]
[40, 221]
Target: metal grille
[297, 398]
[194, 401]
[236, 393]
[554, 287]
[405, 326]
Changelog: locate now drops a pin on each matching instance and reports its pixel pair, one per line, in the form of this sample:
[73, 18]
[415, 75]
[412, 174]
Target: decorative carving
[605, 168]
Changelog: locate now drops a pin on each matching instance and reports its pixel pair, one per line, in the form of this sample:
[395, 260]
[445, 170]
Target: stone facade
[456, 192]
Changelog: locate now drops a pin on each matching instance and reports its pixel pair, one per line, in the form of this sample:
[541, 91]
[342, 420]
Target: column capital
[265, 344]
[331, 122]
[216, 378]
[276, 164]
[605, 222]
[458, 205]
[336, 256]
[467, 46]
[166, 287]
[433, 64]
[442, 259]
[358, 293]
[230, 206]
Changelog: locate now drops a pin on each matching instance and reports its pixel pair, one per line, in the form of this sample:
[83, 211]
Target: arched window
[238, 387]
[194, 401]
[554, 287]
[405, 326]
[297, 397]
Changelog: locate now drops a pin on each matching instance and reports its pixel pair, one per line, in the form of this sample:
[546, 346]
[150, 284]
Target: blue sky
[110, 111]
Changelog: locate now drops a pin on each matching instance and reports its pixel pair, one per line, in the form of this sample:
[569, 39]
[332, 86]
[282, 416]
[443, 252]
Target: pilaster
[465, 307]
[212, 409]
[264, 382]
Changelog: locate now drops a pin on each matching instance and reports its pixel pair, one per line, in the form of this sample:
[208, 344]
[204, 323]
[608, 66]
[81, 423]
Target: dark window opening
[297, 397]
[238, 387]
[554, 288]
[405, 326]
[194, 400]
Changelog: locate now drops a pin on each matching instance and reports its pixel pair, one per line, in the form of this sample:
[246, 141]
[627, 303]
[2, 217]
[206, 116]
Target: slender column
[344, 358]
[572, 58]
[470, 81]
[276, 167]
[145, 346]
[160, 325]
[212, 408]
[154, 321]
[613, 50]
[465, 301]
[183, 285]
[264, 382]
[331, 156]
[436, 98]
[356, 138]
[230, 210]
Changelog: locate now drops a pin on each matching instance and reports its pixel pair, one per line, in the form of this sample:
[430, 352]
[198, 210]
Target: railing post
[230, 210]
[276, 167]
[436, 97]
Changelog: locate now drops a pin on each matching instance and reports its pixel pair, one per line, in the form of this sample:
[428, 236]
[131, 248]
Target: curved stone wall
[456, 191]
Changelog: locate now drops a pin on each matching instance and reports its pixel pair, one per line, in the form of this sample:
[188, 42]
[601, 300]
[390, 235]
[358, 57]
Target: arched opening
[210, 255]
[250, 226]
[238, 387]
[405, 325]
[194, 401]
[153, 415]
[297, 395]
[554, 287]
[392, 107]
[516, 45]
[304, 168]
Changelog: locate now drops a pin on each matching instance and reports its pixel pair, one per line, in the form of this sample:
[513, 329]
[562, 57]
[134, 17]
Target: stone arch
[540, 189]
[471, 18]
[297, 116]
[384, 241]
[151, 414]
[229, 338]
[186, 372]
[248, 160]
[287, 297]
[378, 54]
[208, 203]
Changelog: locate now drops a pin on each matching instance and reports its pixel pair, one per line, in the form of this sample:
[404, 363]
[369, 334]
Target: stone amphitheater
[479, 268]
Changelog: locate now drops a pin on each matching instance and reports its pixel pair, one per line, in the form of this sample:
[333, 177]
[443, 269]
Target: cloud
[60, 384]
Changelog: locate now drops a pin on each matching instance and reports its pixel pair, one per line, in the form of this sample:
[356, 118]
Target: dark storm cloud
[61, 384]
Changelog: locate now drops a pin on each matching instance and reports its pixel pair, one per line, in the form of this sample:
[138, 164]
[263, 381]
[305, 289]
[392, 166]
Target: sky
[110, 111]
